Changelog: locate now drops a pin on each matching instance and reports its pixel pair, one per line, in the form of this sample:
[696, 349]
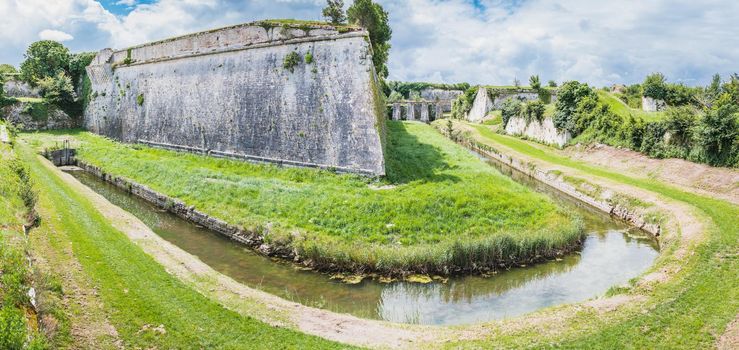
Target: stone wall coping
[235, 48]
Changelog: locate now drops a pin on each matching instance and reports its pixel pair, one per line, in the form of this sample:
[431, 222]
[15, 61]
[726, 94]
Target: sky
[443, 41]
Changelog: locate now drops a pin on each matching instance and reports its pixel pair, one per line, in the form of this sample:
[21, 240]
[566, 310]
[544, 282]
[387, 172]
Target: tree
[57, 90]
[655, 86]
[44, 59]
[374, 18]
[334, 11]
[717, 133]
[534, 82]
[552, 83]
[568, 106]
[516, 82]
[77, 64]
[7, 69]
[680, 122]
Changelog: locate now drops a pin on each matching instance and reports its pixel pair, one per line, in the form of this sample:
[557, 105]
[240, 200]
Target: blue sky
[478, 41]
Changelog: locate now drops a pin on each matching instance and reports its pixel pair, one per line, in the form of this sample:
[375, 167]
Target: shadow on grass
[409, 159]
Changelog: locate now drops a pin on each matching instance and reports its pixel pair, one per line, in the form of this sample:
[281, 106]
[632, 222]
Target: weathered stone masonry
[227, 93]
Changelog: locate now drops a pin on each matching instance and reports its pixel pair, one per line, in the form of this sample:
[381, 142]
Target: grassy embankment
[148, 307]
[21, 326]
[617, 106]
[440, 210]
[690, 310]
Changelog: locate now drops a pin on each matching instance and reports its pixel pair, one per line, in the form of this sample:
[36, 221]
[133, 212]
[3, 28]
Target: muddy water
[611, 255]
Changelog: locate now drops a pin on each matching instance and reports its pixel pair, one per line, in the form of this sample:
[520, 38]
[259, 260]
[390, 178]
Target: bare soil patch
[700, 178]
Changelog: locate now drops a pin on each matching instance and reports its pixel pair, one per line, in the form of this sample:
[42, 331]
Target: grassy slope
[137, 291]
[689, 312]
[620, 108]
[443, 194]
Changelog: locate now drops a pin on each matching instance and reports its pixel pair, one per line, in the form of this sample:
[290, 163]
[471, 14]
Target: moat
[611, 255]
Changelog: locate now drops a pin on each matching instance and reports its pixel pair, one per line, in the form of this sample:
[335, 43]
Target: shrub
[58, 89]
[552, 84]
[716, 135]
[462, 105]
[140, 99]
[308, 58]
[511, 108]
[291, 61]
[12, 328]
[533, 110]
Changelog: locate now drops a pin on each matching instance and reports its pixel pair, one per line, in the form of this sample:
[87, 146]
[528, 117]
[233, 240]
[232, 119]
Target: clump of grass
[445, 209]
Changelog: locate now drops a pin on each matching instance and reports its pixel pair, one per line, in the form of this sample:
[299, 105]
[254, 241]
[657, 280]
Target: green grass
[440, 206]
[688, 312]
[30, 99]
[617, 106]
[137, 291]
[16, 276]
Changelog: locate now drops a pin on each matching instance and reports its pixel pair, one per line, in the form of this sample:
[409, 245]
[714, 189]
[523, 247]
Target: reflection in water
[609, 257]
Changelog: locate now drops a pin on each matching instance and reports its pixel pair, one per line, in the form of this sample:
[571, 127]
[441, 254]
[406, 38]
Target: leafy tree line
[58, 74]
[706, 132]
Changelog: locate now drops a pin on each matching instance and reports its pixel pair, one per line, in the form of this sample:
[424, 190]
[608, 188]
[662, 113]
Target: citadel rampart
[298, 95]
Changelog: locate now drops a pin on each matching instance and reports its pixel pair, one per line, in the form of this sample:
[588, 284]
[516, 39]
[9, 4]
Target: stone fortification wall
[16, 88]
[494, 98]
[444, 96]
[229, 92]
[542, 131]
[649, 104]
[481, 106]
[23, 116]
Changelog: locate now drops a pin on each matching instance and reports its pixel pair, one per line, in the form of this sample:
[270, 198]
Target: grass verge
[440, 210]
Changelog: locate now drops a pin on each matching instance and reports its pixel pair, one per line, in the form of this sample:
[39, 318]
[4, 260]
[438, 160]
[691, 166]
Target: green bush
[511, 108]
[569, 97]
[291, 61]
[140, 99]
[533, 111]
[13, 330]
[308, 58]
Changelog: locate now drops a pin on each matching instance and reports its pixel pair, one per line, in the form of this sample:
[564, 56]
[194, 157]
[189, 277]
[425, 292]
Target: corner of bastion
[291, 94]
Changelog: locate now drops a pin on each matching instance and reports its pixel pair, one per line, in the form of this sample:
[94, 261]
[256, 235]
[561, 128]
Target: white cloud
[56, 35]
[441, 40]
[126, 2]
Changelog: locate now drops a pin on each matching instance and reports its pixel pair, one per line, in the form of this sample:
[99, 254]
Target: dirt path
[379, 334]
[702, 179]
[90, 327]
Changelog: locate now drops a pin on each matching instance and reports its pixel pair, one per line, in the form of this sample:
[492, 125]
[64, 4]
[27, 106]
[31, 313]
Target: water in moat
[611, 255]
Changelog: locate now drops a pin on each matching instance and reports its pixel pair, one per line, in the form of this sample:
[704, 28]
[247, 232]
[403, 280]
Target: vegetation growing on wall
[291, 61]
[463, 104]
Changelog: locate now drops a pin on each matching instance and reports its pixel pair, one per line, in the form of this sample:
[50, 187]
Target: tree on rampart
[374, 18]
[334, 11]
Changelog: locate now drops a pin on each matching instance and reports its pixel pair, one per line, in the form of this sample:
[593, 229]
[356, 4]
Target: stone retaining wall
[542, 131]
